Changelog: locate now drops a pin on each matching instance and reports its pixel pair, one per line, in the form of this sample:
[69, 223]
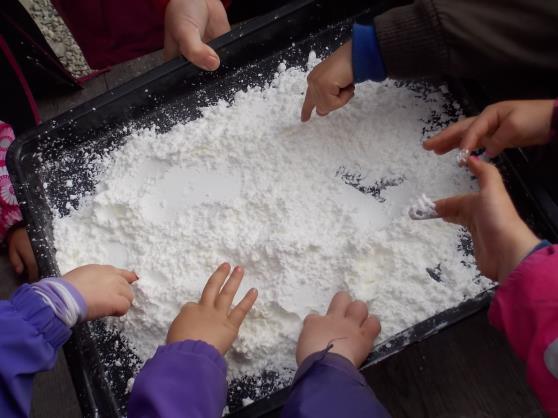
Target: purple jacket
[188, 379]
[30, 337]
[185, 379]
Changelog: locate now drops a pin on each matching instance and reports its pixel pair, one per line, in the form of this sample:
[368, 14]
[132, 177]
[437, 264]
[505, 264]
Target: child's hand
[21, 254]
[105, 289]
[346, 325]
[500, 126]
[330, 84]
[211, 319]
[189, 24]
[500, 238]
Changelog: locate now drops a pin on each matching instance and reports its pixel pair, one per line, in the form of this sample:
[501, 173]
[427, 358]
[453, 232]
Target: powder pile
[307, 208]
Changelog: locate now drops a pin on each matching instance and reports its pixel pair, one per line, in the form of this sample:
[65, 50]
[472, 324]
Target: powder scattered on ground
[308, 209]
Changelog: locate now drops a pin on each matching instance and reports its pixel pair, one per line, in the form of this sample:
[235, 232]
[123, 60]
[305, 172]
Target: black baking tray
[175, 91]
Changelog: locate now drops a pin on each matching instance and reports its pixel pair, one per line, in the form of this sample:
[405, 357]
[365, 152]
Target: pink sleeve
[9, 209]
[525, 308]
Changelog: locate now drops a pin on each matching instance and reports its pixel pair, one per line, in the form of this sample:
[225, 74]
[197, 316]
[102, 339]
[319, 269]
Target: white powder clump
[423, 208]
[250, 184]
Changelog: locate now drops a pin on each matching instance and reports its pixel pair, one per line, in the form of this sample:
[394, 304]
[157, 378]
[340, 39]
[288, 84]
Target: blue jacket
[185, 379]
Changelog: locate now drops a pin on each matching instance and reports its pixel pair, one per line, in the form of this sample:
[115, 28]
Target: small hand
[500, 238]
[211, 319]
[346, 325]
[330, 84]
[502, 125]
[189, 25]
[105, 289]
[21, 254]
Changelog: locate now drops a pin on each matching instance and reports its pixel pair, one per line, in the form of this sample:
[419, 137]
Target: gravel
[58, 36]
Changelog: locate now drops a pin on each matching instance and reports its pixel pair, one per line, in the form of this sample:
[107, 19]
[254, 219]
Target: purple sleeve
[184, 379]
[327, 385]
[30, 336]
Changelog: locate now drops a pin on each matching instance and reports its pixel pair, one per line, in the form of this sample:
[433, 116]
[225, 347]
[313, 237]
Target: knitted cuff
[64, 299]
[411, 41]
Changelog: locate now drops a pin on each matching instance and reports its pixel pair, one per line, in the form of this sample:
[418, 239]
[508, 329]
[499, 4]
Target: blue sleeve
[329, 386]
[367, 58]
[30, 336]
[184, 379]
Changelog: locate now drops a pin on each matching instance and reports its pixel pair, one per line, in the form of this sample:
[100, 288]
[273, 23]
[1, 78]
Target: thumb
[345, 95]
[194, 50]
[486, 173]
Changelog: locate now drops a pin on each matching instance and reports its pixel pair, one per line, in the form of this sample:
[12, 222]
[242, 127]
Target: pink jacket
[525, 308]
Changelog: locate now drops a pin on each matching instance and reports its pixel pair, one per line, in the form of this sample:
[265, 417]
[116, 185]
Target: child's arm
[30, 338]
[36, 322]
[510, 124]
[526, 303]
[187, 377]
[328, 383]
[525, 308]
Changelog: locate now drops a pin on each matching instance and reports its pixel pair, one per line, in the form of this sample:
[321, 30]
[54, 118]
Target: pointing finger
[307, 107]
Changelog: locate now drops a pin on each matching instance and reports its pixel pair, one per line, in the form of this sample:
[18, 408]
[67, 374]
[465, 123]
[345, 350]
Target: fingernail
[253, 291]
[211, 63]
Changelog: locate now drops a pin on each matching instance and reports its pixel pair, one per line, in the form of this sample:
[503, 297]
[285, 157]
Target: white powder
[423, 208]
[250, 184]
[462, 157]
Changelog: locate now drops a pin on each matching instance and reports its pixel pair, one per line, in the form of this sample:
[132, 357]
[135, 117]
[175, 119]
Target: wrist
[519, 246]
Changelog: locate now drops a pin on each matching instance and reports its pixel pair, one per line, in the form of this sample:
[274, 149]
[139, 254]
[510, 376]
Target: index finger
[307, 106]
[484, 125]
[451, 209]
[449, 138]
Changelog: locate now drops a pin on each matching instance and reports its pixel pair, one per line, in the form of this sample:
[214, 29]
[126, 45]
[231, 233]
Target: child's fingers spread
[339, 304]
[214, 284]
[307, 107]
[357, 312]
[371, 327]
[240, 311]
[225, 298]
